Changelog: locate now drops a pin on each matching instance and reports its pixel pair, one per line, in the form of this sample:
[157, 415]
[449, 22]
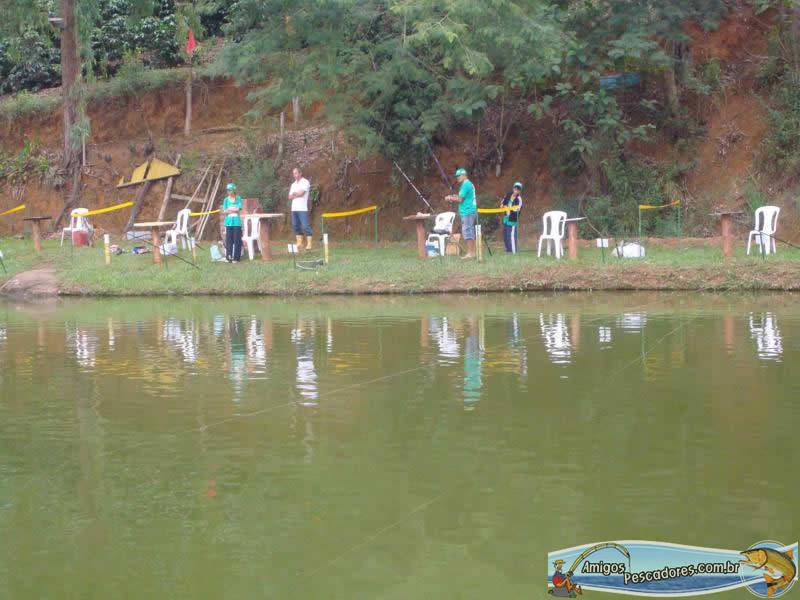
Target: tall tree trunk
[70, 70]
[187, 123]
[671, 91]
[296, 109]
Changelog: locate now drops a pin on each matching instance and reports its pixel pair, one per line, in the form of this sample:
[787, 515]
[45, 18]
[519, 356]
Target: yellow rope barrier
[657, 206]
[497, 211]
[11, 211]
[203, 214]
[102, 211]
[349, 213]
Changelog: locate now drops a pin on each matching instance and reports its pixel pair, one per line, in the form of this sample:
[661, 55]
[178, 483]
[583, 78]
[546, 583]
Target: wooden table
[572, 236]
[36, 231]
[420, 219]
[726, 222]
[263, 232]
[156, 241]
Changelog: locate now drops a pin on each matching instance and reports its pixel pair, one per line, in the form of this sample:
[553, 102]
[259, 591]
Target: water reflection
[302, 337]
[181, 336]
[632, 322]
[257, 347]
[84, 345]
[764, 330]
[444, 336]
[556, 337]
[473, 362]
[604, 336]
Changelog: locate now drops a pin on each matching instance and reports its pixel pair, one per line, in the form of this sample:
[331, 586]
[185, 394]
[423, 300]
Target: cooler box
[80, 237]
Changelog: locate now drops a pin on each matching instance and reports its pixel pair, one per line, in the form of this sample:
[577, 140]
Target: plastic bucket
[431, 250]
[80, 237]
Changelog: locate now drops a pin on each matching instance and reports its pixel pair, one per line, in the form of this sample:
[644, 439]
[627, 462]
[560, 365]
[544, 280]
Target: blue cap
[231, 186]
[461, 172]
[517, 184]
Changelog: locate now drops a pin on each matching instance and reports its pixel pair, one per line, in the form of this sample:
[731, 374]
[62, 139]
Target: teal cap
[230, 187]
[517, 184]
[461, 172]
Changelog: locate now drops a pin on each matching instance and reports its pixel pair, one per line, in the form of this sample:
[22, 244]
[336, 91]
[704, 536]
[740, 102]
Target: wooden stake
[187, 126]
[296, 109]
[280, 139]
[137, 204]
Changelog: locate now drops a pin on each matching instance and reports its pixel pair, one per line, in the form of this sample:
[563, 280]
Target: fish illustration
[774, 562]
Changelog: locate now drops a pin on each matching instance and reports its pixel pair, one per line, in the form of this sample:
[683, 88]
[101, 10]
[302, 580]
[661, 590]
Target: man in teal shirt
[232, 208]
[467, 210]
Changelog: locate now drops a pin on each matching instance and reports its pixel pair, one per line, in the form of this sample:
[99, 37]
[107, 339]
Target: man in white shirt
[298, 194]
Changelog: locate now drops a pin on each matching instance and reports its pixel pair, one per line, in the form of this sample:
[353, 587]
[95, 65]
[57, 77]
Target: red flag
[190, 43]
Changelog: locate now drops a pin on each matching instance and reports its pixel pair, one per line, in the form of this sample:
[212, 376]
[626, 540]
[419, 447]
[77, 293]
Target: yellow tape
[202, 214]
[102, 211]
[13, 210]
[654, 206]
[349, 213]
[496, 211]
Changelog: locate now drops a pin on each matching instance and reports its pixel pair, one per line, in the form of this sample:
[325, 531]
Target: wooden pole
[296, 109]
[187, 125]
[167, 193]
[137, 203]
[280, 139]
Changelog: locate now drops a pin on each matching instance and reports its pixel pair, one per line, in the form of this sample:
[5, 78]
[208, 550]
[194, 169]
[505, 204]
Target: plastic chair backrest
[182, 222]
[767, 219]
[77, 218]
[553, 223]
[250, 227]
[444, 222]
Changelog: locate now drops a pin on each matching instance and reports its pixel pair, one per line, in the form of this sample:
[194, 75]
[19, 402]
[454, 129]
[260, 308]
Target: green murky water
[386, 448]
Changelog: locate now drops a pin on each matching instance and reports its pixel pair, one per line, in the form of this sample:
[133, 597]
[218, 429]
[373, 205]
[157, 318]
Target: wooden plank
[168, 192]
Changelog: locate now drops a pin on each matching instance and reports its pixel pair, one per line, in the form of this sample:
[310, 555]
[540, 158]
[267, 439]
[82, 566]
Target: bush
[30, 62]
[780, 151]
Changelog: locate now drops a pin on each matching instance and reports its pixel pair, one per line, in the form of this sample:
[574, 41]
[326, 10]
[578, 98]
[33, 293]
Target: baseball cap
[517, 184]
[461, 172]
[230, 187]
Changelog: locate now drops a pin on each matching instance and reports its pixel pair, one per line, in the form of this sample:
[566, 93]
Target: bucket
[431, 250]
[80, 237]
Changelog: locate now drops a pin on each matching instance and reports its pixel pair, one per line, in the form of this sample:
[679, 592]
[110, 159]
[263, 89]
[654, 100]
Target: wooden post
[37, 236]
[107, 248]
[137, 203]
[572, 240]
[325, 248]
[167, 193]
[727, 239]
[280, 139]
[263, 241]
[421, 239]
[187, 125]
[156, 246]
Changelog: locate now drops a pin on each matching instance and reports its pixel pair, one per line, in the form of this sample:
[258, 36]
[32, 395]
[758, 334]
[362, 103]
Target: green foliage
[29, 61]
[25, 103]
[631, 183]
[29, 162]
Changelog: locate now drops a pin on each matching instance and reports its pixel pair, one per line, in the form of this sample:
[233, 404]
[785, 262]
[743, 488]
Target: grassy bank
[394, 268]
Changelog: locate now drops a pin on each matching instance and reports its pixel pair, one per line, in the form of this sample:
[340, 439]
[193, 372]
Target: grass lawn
[394, 268]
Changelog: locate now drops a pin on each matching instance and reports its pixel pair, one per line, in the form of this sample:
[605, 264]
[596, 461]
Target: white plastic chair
[766, 225]
[251, 227]
[442, 229]
[77, 222]
[181, 230]
[554, 223]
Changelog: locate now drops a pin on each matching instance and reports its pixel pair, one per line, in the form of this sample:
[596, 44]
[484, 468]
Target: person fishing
[232, 208]
[513, 202]
[467, 210]
[562, 584]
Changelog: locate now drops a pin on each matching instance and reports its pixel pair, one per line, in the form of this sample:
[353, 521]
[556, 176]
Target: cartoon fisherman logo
[778, 567]
[562, 584]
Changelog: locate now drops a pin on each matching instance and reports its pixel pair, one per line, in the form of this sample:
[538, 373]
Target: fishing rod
[415, 188]
[167, 254]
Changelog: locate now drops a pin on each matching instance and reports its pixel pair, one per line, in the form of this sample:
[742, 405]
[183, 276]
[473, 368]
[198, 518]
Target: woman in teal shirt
[232, 208]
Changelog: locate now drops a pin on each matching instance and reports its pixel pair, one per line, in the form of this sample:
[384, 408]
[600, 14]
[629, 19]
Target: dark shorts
[301, 223]
[468, 226]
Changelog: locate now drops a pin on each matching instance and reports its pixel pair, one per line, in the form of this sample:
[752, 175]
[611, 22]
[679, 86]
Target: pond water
[388, 447]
